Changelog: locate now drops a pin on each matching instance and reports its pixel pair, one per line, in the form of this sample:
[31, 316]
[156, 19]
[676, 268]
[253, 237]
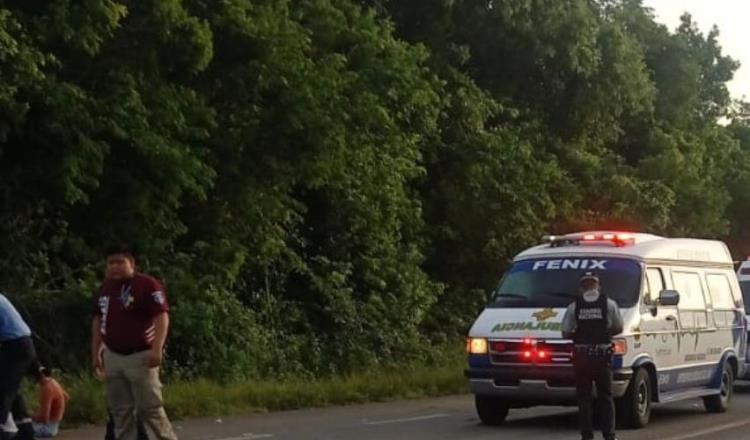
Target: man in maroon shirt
[131, 320]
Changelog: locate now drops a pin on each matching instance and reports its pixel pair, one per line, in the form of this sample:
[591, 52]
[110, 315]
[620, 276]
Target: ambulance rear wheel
[491, 410]
[634, 408]
[719, 403]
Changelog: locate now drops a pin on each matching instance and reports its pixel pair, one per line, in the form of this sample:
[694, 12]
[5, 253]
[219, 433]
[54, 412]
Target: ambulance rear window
[555, 282]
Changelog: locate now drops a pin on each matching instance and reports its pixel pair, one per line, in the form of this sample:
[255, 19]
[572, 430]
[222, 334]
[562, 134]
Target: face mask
[591, 292]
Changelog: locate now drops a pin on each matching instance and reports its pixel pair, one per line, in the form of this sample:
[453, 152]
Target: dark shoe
[25, 432]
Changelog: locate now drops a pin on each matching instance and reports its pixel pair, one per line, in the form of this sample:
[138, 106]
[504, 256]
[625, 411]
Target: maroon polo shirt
[127, 309]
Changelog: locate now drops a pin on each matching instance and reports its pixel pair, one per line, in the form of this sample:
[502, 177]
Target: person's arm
[161, 328]
[96, 344]
[44, 413]
[64, 404]
[157, 307]
[614, 318]
[59, 403]
[569, 322]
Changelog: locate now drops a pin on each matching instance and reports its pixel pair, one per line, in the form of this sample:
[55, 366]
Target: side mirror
[669, 298]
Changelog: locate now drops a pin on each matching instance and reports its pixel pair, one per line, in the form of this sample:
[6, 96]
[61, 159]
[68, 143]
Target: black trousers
[594, 370]
[20, 410]
[16, 356]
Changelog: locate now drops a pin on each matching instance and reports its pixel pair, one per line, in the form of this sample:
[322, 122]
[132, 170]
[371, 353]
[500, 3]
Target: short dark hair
[119, 249]
[38, 371]
[589, 276]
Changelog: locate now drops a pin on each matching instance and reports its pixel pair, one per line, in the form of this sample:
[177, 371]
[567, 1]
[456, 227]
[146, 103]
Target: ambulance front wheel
[634, 408]
[491, 410]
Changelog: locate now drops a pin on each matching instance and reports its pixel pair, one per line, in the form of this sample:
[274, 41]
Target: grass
[204, 398]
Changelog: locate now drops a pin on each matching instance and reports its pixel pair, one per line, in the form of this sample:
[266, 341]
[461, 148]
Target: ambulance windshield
[745, 286]
[555, 282]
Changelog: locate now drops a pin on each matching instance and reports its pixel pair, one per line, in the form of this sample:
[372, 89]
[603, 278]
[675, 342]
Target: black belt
[17, 342]
[595, 351]
[128, 352]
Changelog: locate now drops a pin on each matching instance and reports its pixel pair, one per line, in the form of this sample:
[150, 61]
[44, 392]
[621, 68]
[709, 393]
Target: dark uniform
[16, 356]
[591, 321]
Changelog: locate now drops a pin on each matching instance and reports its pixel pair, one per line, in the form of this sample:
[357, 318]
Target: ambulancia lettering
[527, 326]
[570, 264]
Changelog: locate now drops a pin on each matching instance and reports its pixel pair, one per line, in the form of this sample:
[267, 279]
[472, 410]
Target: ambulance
[684, 335]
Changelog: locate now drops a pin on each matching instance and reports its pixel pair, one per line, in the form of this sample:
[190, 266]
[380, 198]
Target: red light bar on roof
[616, 238]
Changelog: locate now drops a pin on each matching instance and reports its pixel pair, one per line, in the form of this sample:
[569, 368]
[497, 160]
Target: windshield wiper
[511, 295]
[565, 294]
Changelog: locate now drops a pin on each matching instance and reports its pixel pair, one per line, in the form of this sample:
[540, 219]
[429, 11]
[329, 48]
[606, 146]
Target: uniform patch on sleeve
[158, 297]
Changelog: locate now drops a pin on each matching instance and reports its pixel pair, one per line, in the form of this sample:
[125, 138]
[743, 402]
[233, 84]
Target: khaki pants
[133, 388]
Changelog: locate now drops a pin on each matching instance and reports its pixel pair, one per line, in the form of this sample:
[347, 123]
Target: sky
[733, 19]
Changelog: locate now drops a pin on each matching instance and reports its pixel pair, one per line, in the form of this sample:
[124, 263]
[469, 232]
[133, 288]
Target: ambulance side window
[721, 291]
[654, 285]
[721, 298]
[692, 300]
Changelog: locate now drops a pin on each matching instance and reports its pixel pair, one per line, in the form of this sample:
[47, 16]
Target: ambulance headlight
[476, 345]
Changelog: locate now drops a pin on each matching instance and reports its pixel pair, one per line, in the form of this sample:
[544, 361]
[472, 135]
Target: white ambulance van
[685, 331]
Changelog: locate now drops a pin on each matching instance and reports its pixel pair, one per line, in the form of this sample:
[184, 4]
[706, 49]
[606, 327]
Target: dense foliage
[329, 185]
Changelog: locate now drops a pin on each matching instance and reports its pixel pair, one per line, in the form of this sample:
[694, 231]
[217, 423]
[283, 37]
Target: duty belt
[595, 351]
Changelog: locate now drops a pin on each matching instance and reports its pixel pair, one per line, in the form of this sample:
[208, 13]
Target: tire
[719, 403]
[634, 408]
[492, 411]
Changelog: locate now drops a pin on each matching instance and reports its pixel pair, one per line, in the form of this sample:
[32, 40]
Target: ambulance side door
[697, 333]
[659, 328]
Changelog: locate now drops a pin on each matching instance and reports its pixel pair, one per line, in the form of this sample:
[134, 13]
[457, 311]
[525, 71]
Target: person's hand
[154, 358]
[98, 366]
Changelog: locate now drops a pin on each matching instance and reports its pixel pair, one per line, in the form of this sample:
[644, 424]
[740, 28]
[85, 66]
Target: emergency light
[540, 355]
[616, 238]
[499, 347]
[533, 351]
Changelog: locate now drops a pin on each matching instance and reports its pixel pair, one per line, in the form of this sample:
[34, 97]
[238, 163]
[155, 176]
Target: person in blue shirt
[16, 357]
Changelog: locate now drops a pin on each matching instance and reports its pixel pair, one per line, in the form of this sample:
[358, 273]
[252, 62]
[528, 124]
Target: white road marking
[713, 430]
[248, 437]
[406, 420]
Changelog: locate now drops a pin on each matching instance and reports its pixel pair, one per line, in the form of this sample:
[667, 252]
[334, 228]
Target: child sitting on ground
[52, 403]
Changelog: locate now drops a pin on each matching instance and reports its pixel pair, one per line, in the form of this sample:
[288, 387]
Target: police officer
[591, 321]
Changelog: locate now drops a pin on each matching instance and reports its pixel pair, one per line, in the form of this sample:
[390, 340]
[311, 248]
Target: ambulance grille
[525, 352]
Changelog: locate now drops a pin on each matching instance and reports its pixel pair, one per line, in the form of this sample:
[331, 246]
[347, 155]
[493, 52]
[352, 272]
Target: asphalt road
[452, 418]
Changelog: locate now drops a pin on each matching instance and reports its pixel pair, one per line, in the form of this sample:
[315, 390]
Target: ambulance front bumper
[551, 385]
